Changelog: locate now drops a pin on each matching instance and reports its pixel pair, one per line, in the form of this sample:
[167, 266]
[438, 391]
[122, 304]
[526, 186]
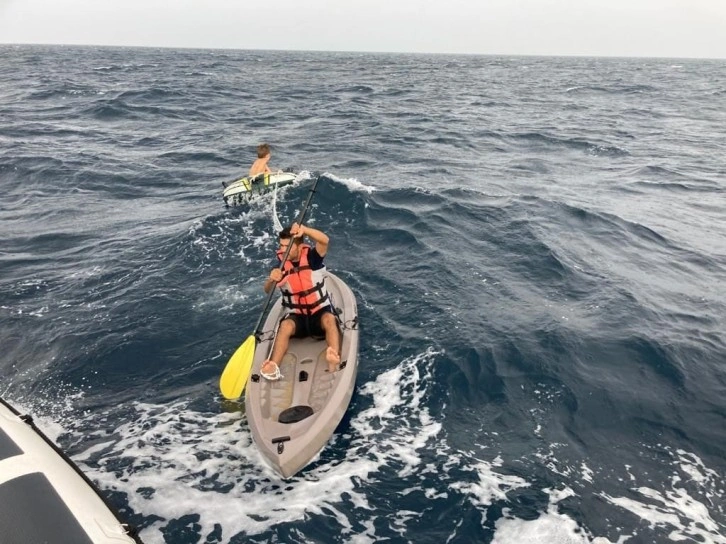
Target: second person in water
[260, 165]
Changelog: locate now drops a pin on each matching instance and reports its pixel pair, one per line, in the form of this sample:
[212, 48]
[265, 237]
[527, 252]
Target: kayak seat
[295, 414]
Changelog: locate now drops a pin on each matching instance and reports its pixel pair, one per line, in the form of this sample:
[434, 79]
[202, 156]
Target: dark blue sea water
[537, 246]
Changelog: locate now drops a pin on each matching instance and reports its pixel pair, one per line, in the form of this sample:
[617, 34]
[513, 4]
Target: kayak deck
[305, 381]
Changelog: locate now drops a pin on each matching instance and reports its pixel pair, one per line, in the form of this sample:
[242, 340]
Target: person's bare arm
[271, 281]
[319, 237]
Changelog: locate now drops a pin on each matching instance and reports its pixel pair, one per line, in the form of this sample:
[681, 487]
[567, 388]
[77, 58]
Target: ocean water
[537, 247]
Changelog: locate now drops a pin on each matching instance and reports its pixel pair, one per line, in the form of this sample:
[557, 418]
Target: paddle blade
[234, 377]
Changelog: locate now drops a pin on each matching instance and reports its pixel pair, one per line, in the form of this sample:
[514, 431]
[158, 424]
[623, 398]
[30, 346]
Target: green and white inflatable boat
[242, 190]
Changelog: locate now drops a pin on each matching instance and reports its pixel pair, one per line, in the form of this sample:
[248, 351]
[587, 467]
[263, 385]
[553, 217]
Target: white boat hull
[43, 496]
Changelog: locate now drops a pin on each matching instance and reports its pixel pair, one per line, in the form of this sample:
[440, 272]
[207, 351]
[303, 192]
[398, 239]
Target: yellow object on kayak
[234, 377]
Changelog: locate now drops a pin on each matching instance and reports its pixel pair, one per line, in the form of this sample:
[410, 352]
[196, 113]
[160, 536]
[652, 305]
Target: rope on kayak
[351, 324]
[275, 220]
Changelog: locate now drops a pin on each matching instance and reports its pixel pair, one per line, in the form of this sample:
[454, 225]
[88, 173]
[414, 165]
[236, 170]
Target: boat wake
[196, 471]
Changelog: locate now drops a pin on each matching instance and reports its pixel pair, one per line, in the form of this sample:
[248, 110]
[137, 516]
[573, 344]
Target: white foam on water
[172, 461]
[98, 448]
[675, 509]
[275, 221]
[240, 229]
[586, 473]
[393, 389]
[693, 466]
[351, 183]
[47, 413]
[303, 175]
[299, 178]
[238, 223]
[551, 527]
[491, 485]
[225, 298]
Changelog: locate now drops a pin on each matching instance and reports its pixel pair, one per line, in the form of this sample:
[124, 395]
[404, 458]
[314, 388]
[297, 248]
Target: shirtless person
[260, 165]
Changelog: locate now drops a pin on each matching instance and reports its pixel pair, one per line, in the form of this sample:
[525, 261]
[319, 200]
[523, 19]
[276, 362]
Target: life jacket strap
[295, 270]
[287, 301]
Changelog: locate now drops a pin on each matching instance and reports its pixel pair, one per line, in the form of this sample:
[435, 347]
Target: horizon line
[351, 51]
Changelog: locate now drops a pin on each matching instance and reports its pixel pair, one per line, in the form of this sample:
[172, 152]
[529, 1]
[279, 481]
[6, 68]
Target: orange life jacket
[303, 289]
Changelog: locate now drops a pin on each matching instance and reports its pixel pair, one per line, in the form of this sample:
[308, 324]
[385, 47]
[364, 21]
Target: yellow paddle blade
[234, 377]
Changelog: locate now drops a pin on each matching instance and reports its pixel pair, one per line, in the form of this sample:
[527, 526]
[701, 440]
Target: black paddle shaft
[299, 221]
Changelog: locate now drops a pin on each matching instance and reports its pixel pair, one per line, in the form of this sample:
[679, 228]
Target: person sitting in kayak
[304, 295]
[260, 165]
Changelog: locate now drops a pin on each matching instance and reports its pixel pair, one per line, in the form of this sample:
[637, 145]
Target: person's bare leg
[285, 332]
[332, 338]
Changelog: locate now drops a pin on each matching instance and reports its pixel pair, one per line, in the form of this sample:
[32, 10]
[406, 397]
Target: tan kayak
[292, 419]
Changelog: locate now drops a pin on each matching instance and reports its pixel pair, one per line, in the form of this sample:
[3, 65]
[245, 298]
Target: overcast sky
[661, 28]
